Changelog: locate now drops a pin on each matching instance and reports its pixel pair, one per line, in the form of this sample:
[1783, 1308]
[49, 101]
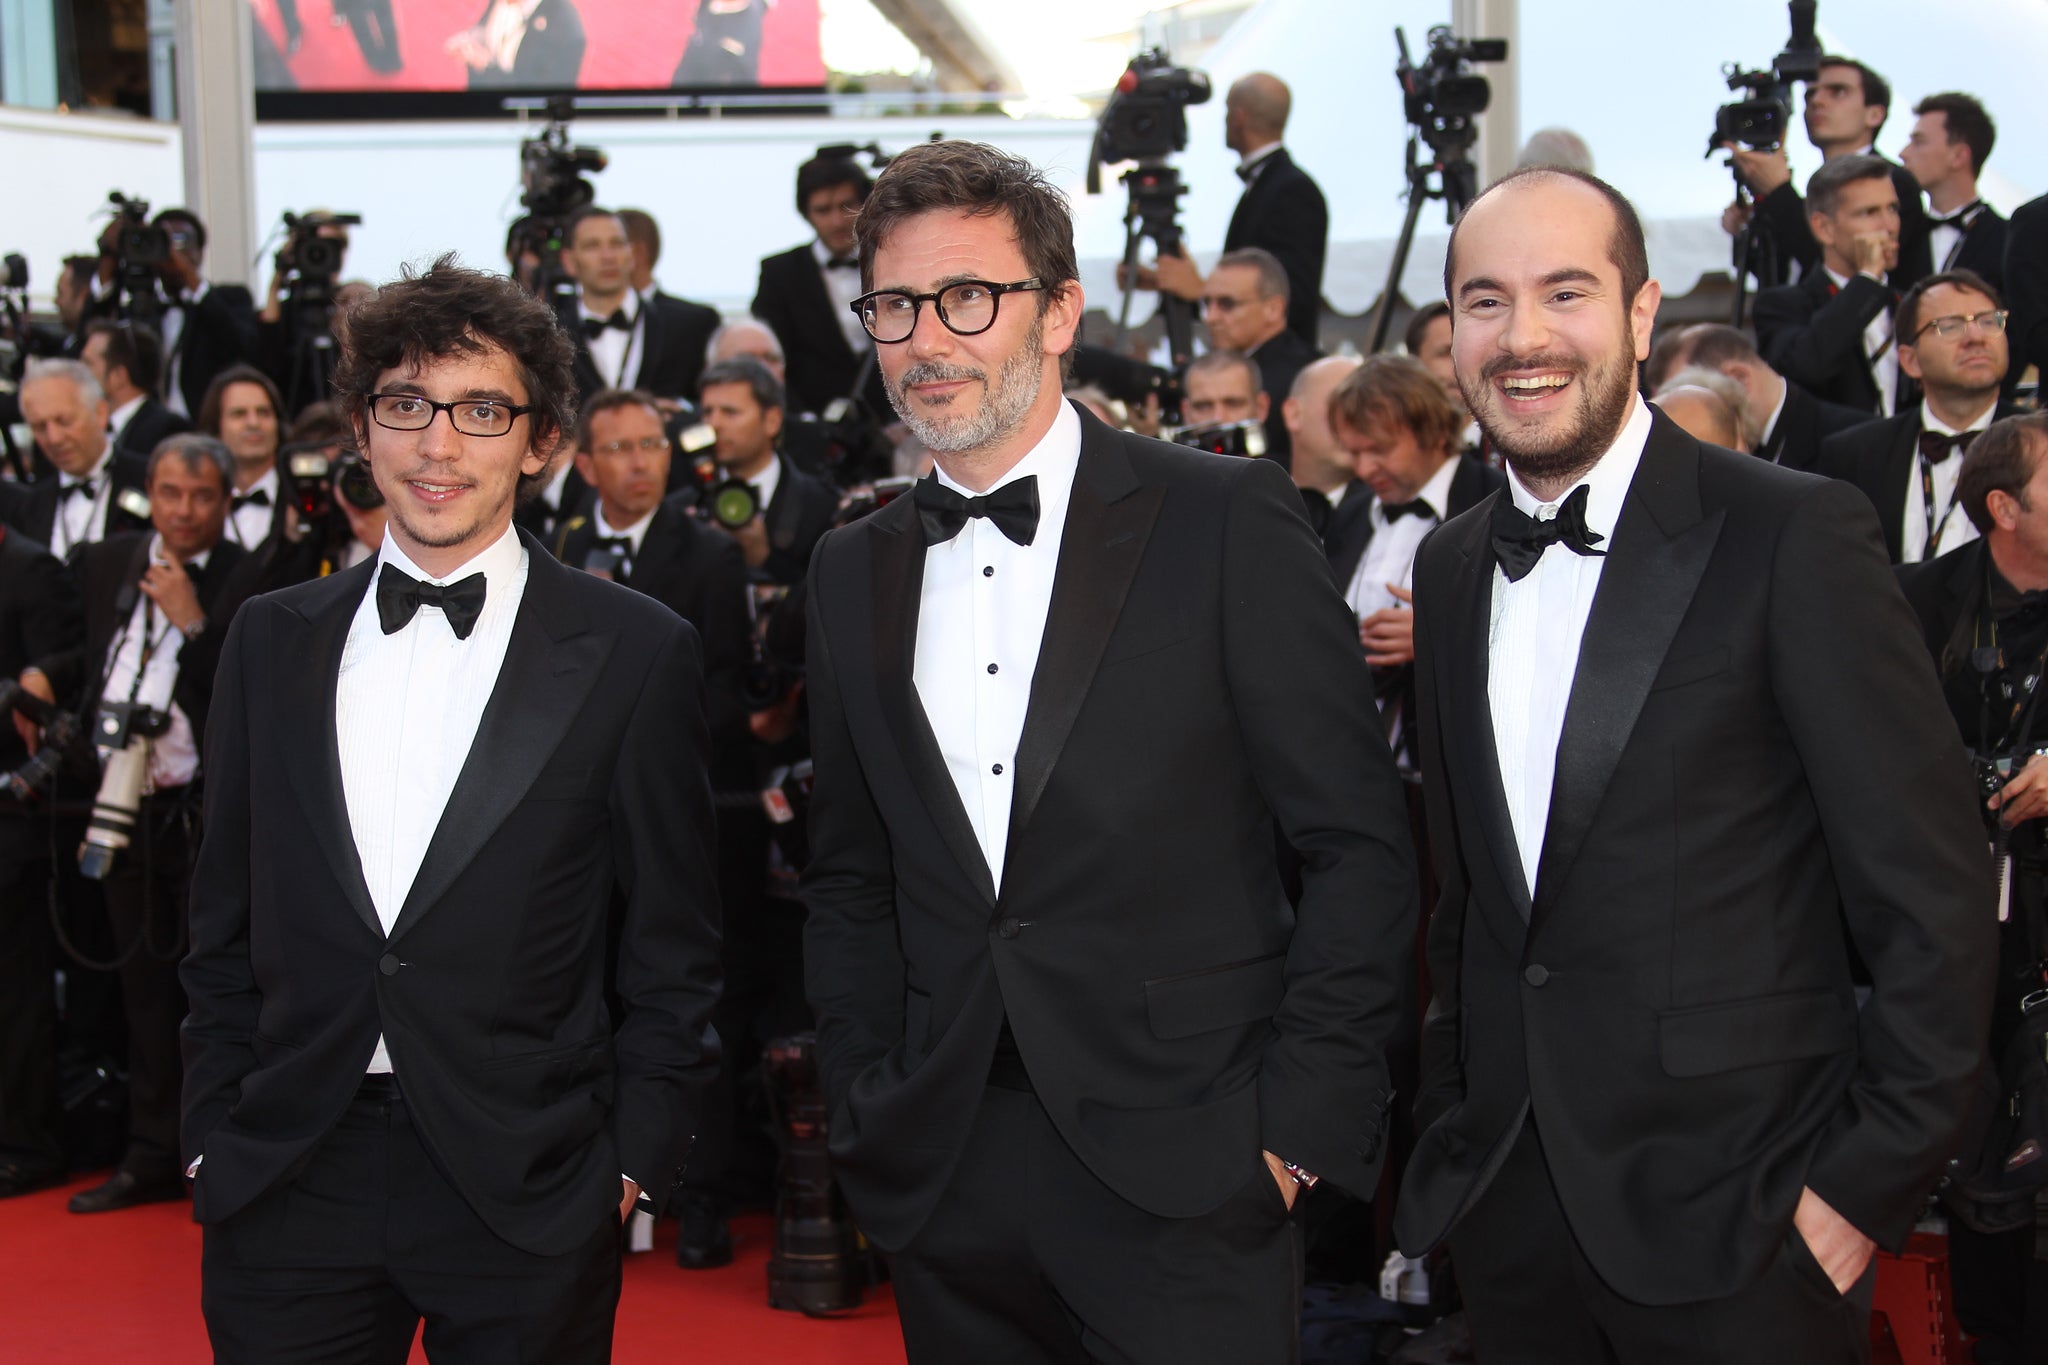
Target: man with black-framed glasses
[1082, 1050]
[1951, 330]
[461, 802]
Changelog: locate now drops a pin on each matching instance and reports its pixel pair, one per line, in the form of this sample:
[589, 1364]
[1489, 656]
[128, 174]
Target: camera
[730, 502]
[122, 730]
[551, 168]
[1146, 117]
[316, 259]
[1444, 93]
[1246, 438]
[60, 732]
[1761, 120]
[138, 243]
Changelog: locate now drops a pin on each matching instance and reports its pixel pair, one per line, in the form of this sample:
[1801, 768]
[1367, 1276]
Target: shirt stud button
[997, 770]
[988, 571]
[991, 668]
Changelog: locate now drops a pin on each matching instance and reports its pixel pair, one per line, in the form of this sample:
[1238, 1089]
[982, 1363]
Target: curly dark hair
[449, 309]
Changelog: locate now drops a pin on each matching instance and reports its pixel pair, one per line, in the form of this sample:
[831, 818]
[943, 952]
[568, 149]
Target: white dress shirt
[1944, 241]
[1952, 526]
[981, 616]
[1252, 162]
[249, 524]
[173, 319]
[767, 482]
[1883, 357]
[1771, 424]
[406, 709]
[120, 417]
[1390, 555]
[80, 519]
[634, 534]
[1537, 625]
[616, 354]
[842, 286]
[142, 666]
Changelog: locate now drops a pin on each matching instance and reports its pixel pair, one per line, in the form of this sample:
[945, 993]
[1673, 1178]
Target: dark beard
[1542, 457]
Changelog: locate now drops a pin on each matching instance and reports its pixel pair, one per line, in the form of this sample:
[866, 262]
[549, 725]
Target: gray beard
[1004, 406]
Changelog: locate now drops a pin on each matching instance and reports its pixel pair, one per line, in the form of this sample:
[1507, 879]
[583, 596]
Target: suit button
[389, 964]
[1008, 926]
[1535, 973]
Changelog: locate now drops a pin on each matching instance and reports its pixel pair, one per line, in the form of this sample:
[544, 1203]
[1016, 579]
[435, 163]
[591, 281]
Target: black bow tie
[842, 263]
[85, 486]
[1013, 508]
[1957, 220]
[1394, 511]
[1519, 540]
[1937, 446]
[1251, 172]
[400, 596]
[256, 498]
[593, 328]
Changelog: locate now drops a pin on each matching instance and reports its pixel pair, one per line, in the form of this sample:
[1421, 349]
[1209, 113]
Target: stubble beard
[1004, 407]
[1546, 454]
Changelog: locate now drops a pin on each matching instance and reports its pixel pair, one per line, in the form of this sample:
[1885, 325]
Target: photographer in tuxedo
[1690, 754]
[1952, 139]
[150, 602]
[1080, 1050]
[805, 294]
[128, 360]
[406, 1097]
[95, 490]
[624, 339]
[206, 327]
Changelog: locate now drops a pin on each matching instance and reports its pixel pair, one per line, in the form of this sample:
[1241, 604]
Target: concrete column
[216, 114]
[1500, 127]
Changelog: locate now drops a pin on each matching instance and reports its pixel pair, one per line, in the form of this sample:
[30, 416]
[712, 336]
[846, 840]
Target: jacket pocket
[1691, 669]
[1705, 1039]
[1215, 998]
[552, 1054]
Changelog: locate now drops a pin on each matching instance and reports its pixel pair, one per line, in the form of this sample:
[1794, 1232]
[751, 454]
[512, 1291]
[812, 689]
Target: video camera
[552, 189]
[1444, 94]
[1761, 120]
[1146, 118]
[141, 250]
[314, 258]
[1246, 438]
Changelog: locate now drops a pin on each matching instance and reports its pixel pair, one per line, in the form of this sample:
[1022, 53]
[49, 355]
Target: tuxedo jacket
[31, 508]
[1881, 457]
[1280, 360]
[697, 572]
[2026, 288]
[1803, 423]
[585, 784]
[150, 424]
[1784, 210]
[1812, 334]
[40, 618]
[109, 573]
[1199, 681]
[800, 513]
[1945, 594]
[667, 359]
[1756, 771]
[792, 299]
[550, 55]
[1283, 210]
[1351, 525]
[1983, 248]
[219, 331]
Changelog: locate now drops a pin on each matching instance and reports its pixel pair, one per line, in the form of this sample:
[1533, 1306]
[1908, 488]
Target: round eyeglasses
[470, 416]
[966, 307]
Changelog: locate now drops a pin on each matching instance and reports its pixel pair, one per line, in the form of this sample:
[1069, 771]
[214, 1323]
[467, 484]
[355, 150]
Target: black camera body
[717, 496]
[315, 259]
[140, 244]
[1146, 118]
[1761, 120]
[1246, 438]
[551, 169]
[1444, 92]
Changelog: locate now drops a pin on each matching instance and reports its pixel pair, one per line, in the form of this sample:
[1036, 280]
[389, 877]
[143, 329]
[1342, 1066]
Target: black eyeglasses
[967, 307]
[470, 416]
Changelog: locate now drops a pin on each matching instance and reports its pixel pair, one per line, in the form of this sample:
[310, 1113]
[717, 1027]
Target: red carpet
[124, 1287]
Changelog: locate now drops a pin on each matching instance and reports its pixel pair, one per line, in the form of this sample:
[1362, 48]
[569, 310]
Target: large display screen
[402, 47]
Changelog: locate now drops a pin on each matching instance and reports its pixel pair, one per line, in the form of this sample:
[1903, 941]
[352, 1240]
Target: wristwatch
[195, 630]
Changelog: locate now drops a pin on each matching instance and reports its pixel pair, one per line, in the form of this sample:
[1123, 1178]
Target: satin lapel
[313, 640]
[1469, 740]
[1109, 522]
[895, 583]
[1661, 546]
[550, 666]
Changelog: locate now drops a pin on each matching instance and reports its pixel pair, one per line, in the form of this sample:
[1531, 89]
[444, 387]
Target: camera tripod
[1457, 185]
[310, 325]
[1756, 254]
[1155, 189]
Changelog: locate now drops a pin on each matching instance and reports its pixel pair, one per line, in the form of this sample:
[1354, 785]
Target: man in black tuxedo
[527, 44]
[805, 294]
[1322, 469]
[150, 600]
[405, 1094]
[39, 617]
[1391, 416]
[625, 340]
[1080, 1050]
[1282, 210]
[743, 403]
[1953, 344]
[1846, 107]
[206, 327]
[1952, 139]
[1984, 610]
[95, 490]
[128, 360]
[1691, 754]
[1832, 331]
[1782, 422]
[1244, 306]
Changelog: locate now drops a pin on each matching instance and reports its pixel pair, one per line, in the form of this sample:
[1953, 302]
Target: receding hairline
[1533, 177]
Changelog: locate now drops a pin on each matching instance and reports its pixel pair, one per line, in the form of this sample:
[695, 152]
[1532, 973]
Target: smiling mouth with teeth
[1534, 388]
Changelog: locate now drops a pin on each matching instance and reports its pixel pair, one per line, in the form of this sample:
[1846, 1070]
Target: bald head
[1703, 414]
[749, 337]
[1255, 111]
[1320, 461]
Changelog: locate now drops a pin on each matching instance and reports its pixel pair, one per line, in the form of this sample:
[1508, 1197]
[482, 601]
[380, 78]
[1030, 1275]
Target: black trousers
[339, 1265]
[148, 896]
[31, 1123]
[1532, 1298]
[1029, 1260]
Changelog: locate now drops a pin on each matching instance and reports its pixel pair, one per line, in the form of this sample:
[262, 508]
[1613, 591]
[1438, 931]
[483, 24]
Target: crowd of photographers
[185, 457]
